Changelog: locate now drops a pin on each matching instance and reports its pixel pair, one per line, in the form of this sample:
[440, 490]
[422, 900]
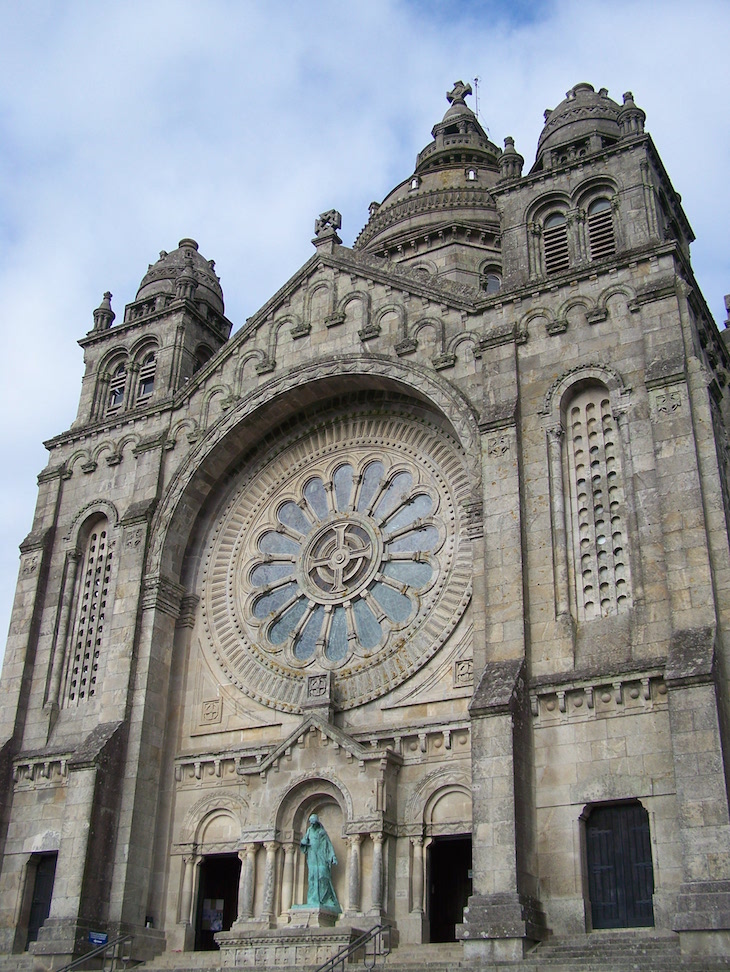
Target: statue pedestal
[303, 916]
[290, 946]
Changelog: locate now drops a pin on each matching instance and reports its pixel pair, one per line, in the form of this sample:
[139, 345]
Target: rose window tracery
[344, 565]
[340, 552]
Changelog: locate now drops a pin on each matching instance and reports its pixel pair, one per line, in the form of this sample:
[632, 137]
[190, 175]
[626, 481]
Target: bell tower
[172, 327]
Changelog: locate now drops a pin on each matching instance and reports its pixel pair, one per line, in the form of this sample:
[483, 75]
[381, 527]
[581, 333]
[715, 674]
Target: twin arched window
[596, 242]
[118, 397]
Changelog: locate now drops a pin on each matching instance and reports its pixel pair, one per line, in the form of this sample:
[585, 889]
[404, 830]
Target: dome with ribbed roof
[450, 183]
[585, 112]
[162, 276]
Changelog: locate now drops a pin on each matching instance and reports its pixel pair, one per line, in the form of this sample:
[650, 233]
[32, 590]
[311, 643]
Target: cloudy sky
[125, 126]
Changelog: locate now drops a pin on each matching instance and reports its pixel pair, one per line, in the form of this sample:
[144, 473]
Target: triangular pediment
[328, 735]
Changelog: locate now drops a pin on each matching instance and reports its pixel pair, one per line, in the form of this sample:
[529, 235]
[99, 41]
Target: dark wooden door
[449, 868]
[620, 872]
[42, 893]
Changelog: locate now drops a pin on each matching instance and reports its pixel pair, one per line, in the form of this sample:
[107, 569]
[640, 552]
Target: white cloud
[128, 126]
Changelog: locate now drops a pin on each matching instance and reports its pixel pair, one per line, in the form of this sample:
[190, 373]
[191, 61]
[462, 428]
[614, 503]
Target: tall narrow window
[117, 386]
[147, 377]
[555, 239]
[91, 608]
[601, 237]
[596, 503]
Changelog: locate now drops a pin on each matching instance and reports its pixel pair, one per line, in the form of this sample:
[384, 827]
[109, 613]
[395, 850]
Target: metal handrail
[379, 935]
[100, 950]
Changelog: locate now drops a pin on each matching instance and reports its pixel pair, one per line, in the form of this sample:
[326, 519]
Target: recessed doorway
[449, 885]
[620, 871]
[217, 898]
[40, 906]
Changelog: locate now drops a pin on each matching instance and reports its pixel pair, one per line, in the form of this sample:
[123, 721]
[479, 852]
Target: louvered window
[116, 389]
[596, 503]
[555, 239]
[91, 608]
[601, 238]
[147, 377]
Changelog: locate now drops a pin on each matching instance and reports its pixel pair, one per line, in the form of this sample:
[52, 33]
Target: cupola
[442, 220]
[585, 122]
[198, 275]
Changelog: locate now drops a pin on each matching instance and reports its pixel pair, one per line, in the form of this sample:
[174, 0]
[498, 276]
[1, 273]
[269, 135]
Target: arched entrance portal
[447, 823]
[620, 871]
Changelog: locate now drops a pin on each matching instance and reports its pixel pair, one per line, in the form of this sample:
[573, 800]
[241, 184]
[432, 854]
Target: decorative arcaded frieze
[600, 697]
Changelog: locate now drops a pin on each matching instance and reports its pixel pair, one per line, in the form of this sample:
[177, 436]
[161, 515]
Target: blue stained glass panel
[419, 506]
[269, 573]
[399, 487]
[267, 603]
[337, 637]
[307, 640]
[274, 543]
[425, 538]
[409, 572]
[370, 482]
[343, 487]
[367, 626]
[314, 491]
[292, 516]
[282, 628]
[396, 605]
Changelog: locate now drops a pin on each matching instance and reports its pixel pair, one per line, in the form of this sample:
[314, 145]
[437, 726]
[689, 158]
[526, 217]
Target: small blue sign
[98, 938]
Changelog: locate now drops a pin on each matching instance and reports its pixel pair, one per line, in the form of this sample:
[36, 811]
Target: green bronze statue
[321, 858]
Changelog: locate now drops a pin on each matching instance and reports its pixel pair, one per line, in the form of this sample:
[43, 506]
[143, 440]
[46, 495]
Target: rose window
[345, 564]
[340, 552]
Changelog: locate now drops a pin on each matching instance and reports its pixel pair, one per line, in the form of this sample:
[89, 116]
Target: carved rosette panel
[340, 552]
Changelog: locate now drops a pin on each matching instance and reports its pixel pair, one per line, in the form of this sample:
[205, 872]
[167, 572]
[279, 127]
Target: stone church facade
[434, 546]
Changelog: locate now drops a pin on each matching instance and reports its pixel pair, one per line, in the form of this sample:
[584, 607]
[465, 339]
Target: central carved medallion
[339, 553]
[340, 558]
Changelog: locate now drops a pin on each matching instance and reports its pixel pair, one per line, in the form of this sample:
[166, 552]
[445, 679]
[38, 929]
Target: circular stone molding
[340, 552]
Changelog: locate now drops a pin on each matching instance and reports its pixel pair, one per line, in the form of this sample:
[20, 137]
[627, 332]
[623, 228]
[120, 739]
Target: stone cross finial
[331, 220]
[458, 93]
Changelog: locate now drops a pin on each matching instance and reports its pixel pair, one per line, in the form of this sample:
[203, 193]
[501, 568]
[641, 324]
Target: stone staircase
[594, 953]
[600, 952]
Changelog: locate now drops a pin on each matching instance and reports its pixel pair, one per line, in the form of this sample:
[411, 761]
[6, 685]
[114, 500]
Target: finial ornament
[104, 315]
[458, 93]
[331, 220]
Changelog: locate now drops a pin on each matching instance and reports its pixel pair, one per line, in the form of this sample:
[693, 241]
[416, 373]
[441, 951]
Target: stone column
[246, 882]
[560, 540]
[60, 646]
[186, 898]
[353, 872]
[267, 912]
[287, 880]
[417, 875]
[376, 897]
